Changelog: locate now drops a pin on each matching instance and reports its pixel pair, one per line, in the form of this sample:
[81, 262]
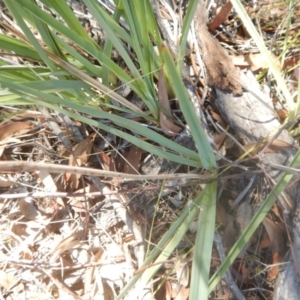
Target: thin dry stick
[91, 194]
[228, 277]
[61, 285]
[286, 169]
[40, 194]
[24, 166]
[58, 267]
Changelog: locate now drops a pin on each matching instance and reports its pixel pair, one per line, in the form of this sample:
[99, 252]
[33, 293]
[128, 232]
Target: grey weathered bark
[251, 120]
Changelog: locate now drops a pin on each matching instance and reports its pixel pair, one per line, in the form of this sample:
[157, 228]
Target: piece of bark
[249, 116]
[288, 281]
[219, 66]
[251, 120]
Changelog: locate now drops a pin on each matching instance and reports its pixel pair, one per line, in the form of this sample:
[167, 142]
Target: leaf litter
[91, 245]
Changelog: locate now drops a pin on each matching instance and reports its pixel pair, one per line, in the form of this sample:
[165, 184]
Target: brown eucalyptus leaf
[221, 16]
[218, 118]
[79, 157]
[219, 139]
[276, 235]
[221, 215]
[255, 61]
[164, 291]
[276, 146]
[14, 129]
[133, 160]
[166, 122]
[68, 243]
[104, 158]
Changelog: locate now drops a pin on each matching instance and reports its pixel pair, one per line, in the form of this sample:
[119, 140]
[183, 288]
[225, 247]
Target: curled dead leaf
[164, 291]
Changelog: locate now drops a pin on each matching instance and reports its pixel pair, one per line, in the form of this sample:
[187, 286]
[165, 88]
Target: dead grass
[67, 235]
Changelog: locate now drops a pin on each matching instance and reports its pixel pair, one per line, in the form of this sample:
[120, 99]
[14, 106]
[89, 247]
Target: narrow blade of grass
[90, 47]
[168, 242]
[264, 51]
[253, 225]
[204, 243]
[29, 35]
[147, 90]
[204, 148]
[65, 12]
[188, 18]
[190, 159]
[19, 47]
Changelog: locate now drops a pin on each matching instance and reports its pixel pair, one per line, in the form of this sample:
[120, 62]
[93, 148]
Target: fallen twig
[23, 166]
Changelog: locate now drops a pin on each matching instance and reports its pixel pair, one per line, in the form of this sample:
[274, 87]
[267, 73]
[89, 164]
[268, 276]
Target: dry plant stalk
[24, 166]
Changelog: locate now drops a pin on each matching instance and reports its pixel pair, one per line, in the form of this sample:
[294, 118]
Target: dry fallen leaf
[24, 115]
[164, 291]
[166, 122]
[9, 131]
[255, 61]
[218, 118]
[4, 182]
[282, 114]
[275, 146]
[296, 74]
[221, 215]
[79, 157]
[133, 160]
[183, 293]
[66, 244]
[183, 274]
[221, 16]
[276, 236]
[14, 129]
[104, 158]
[50, 186]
